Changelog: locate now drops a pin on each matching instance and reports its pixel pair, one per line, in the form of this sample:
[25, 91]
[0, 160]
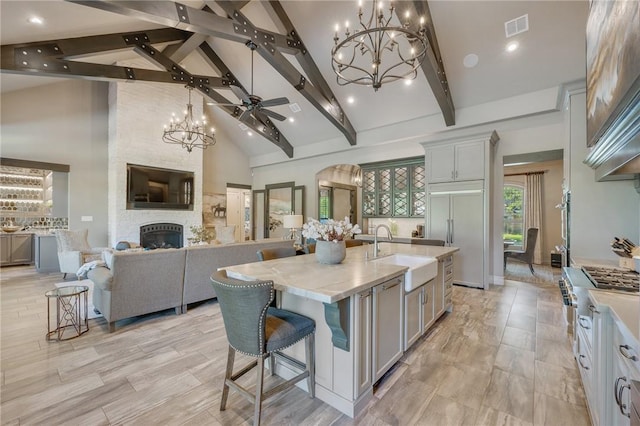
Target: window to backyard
[513, 215]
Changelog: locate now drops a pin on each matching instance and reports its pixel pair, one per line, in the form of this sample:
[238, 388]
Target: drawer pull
[365, 295]
[624, 350]
[387, 287]
[582, 322]
[581, 364]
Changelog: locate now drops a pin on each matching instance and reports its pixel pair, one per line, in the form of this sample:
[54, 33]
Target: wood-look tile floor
[502, 357]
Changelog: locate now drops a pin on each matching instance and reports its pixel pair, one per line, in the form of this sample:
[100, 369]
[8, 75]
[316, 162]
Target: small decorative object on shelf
[330, 236]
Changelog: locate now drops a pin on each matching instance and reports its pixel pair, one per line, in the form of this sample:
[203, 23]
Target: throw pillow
[226, 234]
[72, 240]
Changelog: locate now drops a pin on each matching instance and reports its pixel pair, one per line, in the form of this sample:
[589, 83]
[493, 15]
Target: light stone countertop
[304, 276]
[625, 307]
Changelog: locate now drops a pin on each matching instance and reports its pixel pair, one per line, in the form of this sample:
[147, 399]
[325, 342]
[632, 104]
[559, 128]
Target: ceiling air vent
[516, 26]
[294, 107]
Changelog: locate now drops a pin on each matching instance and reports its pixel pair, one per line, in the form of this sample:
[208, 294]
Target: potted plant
[330, 236]
[201, 235]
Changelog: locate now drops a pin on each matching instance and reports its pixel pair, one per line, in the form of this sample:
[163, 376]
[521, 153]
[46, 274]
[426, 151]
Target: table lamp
[293, 222]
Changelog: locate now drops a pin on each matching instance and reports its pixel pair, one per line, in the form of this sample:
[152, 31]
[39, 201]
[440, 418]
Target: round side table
[71, 312]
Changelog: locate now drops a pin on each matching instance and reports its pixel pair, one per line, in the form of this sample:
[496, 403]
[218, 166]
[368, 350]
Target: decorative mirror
[337, 192]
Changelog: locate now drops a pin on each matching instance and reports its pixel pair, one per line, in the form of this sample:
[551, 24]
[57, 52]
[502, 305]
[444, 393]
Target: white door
[235, 212]
[467, 233]
[438, 217]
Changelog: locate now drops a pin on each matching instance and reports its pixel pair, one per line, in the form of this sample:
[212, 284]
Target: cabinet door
[618, 393]
[467, 233]
[438, 297]
[469, 161]
[438, 217]
[363, 342]
[5, 249]
[440, 164]
[22, 248]
[427, 306]
[387, 326]
[412, 316]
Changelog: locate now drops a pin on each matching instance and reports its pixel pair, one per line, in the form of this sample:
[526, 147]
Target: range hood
[616, 156]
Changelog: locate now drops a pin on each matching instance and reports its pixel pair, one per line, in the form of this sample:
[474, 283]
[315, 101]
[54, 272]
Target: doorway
[548, 165]
[239, 210]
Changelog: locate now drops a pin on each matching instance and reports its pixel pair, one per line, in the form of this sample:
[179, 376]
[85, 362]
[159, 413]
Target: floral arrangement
[330, 230]
[201, 235]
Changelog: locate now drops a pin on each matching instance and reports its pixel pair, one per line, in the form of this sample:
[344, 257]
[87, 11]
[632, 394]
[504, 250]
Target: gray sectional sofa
[142, 282]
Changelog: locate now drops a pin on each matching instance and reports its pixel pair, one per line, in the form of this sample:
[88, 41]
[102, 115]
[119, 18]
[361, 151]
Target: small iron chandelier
[359, 57]
[189, 133]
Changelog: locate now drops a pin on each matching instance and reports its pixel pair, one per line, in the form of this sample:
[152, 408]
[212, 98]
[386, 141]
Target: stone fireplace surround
[137, 113]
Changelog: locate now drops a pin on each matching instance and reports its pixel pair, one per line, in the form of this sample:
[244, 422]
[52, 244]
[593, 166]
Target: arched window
[514, 215]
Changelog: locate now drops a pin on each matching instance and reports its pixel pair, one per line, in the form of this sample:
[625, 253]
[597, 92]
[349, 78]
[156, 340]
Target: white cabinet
[424, 305]
[387, 325]
[456, 214]
[626, 367]
[445, 273]
[456, 162]
[428, 314]
[413, 316]
[363, 343]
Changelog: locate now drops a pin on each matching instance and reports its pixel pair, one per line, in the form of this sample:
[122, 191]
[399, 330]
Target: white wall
[64, 123]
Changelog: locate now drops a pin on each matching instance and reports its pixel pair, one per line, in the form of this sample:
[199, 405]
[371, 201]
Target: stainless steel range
[613, 278]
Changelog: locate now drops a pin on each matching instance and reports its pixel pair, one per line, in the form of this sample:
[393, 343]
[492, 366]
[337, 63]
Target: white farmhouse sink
[421, 268]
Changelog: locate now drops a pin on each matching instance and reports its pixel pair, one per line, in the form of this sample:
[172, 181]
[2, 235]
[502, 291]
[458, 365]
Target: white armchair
[74, 250]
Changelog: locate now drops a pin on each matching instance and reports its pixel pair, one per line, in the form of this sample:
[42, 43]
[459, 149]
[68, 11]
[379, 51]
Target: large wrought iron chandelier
[377, 52]
[188, 132]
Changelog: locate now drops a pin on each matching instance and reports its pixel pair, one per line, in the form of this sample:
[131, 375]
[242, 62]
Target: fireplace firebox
[161, 235]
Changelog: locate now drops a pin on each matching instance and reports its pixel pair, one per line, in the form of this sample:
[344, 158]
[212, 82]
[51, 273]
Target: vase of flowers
[330, 237]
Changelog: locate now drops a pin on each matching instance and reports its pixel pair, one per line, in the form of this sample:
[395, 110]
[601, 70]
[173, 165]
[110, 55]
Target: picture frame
[613, 66]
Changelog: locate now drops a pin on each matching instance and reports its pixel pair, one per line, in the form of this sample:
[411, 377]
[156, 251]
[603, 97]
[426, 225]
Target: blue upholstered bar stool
[259, 330]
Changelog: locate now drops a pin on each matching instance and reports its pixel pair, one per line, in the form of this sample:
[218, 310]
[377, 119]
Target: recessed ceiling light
[512, 47]
[36, 20]
[408, 81]
[351, 99]
[250, 133]
[470, 61]
[291, 119]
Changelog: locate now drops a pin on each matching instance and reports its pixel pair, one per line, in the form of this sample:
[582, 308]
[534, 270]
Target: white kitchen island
[361, 311]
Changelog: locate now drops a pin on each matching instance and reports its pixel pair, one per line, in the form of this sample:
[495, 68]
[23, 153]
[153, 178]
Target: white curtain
[533, 210]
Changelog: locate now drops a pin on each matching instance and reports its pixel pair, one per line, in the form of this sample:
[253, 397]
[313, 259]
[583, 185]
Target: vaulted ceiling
[208, 40]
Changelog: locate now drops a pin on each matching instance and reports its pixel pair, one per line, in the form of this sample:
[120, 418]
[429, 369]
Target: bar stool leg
[309, 346]
[259, 383]
[227, 376]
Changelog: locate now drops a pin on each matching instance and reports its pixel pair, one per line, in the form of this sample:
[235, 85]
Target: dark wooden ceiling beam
[271, 53]
[178, 52]
[335, 112]
[199, 21]
[432, 65]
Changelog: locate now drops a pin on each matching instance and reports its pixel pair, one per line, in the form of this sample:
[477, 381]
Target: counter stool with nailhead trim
[259, 330]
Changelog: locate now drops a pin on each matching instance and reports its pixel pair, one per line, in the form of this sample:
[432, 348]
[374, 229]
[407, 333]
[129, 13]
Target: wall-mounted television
[158, 188]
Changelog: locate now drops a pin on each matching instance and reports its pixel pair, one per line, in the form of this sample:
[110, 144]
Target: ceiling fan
[254, 104]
